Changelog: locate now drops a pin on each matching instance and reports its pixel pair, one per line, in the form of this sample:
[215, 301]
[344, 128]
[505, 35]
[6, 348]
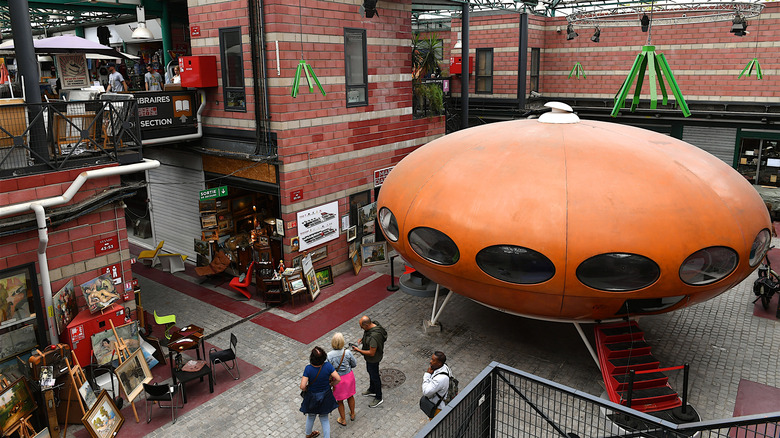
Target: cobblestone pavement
[721, 340]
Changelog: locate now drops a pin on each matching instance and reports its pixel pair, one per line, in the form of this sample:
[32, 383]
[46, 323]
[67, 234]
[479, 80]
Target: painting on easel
[16, 404]
[99, 293]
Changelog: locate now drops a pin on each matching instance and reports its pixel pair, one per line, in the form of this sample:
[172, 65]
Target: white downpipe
[43, 232]
[198, 134]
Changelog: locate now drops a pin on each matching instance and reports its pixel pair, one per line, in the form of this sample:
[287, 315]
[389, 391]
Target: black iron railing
[506, 402]
[37, 138]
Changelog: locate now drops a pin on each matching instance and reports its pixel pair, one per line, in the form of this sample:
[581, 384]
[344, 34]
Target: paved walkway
[721, 339]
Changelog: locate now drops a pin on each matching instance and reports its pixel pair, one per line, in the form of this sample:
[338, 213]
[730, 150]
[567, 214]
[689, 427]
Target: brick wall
[71, 248]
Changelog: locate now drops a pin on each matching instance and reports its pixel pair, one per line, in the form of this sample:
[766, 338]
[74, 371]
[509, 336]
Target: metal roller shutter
[173, 191]
[717, 141]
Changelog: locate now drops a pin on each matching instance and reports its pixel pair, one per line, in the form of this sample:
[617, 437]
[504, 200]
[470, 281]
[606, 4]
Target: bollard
[392, 287]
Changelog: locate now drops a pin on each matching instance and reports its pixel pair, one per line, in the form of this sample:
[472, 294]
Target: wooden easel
[77, 379]
[23, 427]
[123, 353]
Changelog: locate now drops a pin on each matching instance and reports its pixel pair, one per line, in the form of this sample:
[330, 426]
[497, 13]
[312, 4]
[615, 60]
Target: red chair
[242, 286]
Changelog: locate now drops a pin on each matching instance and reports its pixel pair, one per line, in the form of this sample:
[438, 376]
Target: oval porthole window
[708, 265]
[760, 247]
[434, 246]
[618, 272]
[515, 264]
[388, 223]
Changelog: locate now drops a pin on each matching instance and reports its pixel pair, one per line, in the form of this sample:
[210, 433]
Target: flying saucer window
[618, 272]
[434, 246]
[388, 223]
[708, 265]
[515, 264]
[760, 247]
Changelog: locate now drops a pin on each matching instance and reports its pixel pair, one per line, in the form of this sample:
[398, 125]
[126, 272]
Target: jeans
[323, 421]
[375, 385]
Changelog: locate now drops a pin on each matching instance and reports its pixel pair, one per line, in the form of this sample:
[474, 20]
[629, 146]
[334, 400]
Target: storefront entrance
[759, 161]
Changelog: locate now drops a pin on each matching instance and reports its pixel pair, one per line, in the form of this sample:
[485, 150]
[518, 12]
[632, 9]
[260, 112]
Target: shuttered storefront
[717, 141]
[173, 190]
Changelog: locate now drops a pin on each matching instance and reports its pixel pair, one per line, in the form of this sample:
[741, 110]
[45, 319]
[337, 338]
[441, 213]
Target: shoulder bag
[303, 392]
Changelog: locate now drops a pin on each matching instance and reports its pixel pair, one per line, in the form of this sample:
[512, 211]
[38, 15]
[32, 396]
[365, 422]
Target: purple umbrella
[65, 44]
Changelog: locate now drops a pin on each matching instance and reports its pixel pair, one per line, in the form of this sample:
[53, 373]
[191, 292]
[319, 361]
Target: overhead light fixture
[141, 32]
[645, 22]
[570, 33]
[596, 35]
[739, 25]
[370, 7]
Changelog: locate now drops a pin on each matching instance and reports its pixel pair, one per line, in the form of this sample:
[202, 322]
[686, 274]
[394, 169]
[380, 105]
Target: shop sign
[108, 244]
[164, 114]
[318, 225]
[194, 31]
[216, 192]
[114, 271]
[72, 70]
[297, 195]
[380, 175]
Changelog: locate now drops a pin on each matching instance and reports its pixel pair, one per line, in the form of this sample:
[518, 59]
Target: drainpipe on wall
[197, 135]
[38, 207]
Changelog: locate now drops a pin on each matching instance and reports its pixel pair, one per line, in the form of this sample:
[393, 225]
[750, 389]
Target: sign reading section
[167, 113]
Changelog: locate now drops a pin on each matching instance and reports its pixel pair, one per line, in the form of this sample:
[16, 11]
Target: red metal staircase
[621, 349]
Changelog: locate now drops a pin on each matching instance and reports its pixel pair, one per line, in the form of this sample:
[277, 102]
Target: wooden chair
[151, 255]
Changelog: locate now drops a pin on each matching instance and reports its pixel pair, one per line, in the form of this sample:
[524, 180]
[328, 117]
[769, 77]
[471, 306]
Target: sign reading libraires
[166, 113]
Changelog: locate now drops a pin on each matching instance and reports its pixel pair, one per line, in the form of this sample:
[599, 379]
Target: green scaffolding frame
[749, 69]
[577, 70]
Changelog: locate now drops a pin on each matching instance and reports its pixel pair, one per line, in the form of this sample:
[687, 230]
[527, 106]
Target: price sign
[108, 244]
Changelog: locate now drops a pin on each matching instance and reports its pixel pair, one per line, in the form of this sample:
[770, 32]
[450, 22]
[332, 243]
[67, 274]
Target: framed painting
[351, 233]
[314, 287]
[16, 402]
[104, 419]
[368, 238]
[295, 244]
[99, 293]
[324, 276]
[103, 342]
[133, 373]
[208, 206]
[366, 217]
[357, 262]
[88, 395]
[43, 433]
[15, 294]
[374, 253]
[296, 262]
[319, 254]
[208, 221]
[279, 227]
[65, 307]
[352, 248]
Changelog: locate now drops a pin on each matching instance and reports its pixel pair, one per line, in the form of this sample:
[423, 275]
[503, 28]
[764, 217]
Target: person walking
[153, 79]
[373, 348]
[116, 82]
[318, 398]
[436, 381]
[343, 361]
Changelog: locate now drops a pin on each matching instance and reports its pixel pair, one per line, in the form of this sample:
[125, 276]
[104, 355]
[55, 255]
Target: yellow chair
[151, 254]
[167, 320]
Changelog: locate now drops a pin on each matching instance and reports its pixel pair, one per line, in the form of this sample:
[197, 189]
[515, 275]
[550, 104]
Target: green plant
[426, 55]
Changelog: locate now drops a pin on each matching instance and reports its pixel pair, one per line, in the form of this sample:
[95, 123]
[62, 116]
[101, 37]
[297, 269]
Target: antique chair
[163, 393]
[167, 320]
[151, 255]
[217, 266]
[224, 356]
[242, 283]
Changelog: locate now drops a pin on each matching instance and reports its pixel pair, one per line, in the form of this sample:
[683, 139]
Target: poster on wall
[72, 70]
[318, 225]
[311, 278]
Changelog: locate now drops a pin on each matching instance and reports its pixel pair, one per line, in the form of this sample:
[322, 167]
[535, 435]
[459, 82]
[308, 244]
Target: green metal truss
[577, 71]
[657, 68]
[749, 69]
[304, 67]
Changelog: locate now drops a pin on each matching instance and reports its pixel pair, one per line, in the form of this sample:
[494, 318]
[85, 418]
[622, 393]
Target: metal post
[522, 61]
[392, 287]
[464, 76]
[27, 64]
[165, 28]
[631, 375]
[685, 389]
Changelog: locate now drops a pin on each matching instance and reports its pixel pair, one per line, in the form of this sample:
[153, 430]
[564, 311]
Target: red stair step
[622, 365]
[621, 333]
[641, 381]
[628, 348]
[648, 396]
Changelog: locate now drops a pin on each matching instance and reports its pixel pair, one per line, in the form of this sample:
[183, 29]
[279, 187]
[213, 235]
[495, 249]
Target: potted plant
[426, 55]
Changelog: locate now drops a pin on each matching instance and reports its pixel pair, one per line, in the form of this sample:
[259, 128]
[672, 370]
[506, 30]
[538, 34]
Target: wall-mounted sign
[114, 271]
[194, 31]
[380, 175]
[167, 113]
[318, 225]
[72, 70]
[216, 192]
[108, 244]
[296, 195]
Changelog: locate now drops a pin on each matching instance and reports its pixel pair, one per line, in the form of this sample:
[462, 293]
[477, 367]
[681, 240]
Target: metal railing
[37, 138]
[505, 402]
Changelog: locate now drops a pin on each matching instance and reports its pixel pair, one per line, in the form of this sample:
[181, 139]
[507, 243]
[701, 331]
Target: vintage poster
[72, 70]
[318, 225]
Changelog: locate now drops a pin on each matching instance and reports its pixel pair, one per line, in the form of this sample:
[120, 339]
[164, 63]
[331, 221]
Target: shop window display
[21, 319]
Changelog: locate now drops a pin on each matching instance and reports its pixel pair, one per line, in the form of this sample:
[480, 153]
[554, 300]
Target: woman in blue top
[318, 400]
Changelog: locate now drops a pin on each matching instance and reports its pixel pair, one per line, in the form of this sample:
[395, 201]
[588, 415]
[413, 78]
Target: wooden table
[188, 338]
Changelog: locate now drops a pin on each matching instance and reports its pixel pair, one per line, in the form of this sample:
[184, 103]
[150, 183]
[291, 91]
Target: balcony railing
[38, 138]
[506, 402]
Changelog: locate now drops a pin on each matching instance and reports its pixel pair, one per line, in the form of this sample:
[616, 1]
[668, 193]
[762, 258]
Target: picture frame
[357, 262]
[16, 403]
[103, 342]
[88, 395]
[294, 281]
[104, 419]
[295, 244]
[43, 433]
[296, 262]
[208, 221]
[242, 205]
[279, 227]
[16, 296]
[263, 240]
[100, 293]
[352, 248]
[373, 253]
[324, 276]
[345, 225]
[368, 238]
[319, 254]
[208, 206]
[352, 233]
[264, 255]
[65, 306]
[311, 278]
[367, 218]
[132, 374]
[209, 235]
